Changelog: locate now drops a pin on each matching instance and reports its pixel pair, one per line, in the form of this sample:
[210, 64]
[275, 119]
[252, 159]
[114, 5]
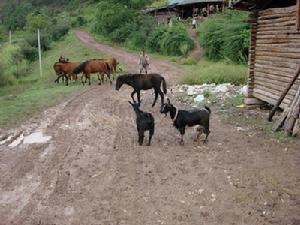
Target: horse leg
[89, 79]
[57, 79]
[161, 97]
[83, 75]
[155, 99]
[67, 81]
[132, 95]
[108, 75]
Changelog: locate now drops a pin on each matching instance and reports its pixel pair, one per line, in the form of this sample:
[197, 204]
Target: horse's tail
[80, 68]
[164, 85]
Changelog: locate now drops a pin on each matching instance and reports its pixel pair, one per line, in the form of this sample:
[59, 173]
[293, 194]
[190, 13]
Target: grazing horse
[65, 70]
[92, 66]
[141, 82]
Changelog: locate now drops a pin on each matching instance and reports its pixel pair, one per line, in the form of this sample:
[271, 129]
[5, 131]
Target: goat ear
[168, 100]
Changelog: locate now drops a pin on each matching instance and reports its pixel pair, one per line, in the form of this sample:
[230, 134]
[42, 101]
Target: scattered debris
[199, 99]
[36, 138]
[200, 92]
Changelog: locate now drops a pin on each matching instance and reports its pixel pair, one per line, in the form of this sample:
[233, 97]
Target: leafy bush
[78, 21]
[32, 40]
[12, 64]
[59, 30]
[153, 42]
[225, 36]
[170, 40]
[111, 24]
[14, 14]
[36, 21]
[29, 53]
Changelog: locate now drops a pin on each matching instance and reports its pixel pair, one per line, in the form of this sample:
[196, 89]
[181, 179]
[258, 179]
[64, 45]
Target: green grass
[33, 93]
[214, 72]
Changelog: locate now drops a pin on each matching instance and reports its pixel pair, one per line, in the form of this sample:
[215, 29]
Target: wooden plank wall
[277, 54]
[253, 23]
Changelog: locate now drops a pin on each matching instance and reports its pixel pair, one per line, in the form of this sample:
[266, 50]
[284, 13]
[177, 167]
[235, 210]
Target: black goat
[144, 122]
[183, 118]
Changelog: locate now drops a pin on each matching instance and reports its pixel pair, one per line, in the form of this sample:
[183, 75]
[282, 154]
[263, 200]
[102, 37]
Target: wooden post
[298, 15]
[251, 59]
[40, 52]
[284, 93]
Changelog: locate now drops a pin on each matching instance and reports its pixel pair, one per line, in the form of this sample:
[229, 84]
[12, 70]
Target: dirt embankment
[92, 171]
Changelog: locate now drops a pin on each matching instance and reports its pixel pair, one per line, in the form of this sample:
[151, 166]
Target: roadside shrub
[170, 40]
[59, 30]
[225, 36]
[153, 42]
[29, 53]
[78, 21]
[32, 40]
[176, 41]
[12, 64]
[112, 20]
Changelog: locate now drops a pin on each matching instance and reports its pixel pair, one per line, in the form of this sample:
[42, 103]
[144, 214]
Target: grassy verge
[33, 93]
[214, 72]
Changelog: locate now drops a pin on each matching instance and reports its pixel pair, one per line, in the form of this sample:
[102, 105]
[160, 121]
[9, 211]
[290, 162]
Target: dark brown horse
[93, 66]
[144, 82]
[65, 71]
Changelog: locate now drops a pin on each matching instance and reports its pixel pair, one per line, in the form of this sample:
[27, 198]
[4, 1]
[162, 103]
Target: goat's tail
[164, 85]
[208, 109]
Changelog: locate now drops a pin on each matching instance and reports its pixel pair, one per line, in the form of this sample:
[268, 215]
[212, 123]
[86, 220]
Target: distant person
[144, 62]
[194, 23]
[212, 9]
[63, 59]
[204, 12]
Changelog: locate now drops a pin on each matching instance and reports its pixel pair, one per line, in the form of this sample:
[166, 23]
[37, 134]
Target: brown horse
[65, 71]
[93, 66]
[141, 82]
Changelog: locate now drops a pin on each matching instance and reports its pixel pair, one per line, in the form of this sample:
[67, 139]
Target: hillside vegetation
[225, 36]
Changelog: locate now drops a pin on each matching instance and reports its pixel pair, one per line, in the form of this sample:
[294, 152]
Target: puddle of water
[36, 138]
[16, 142]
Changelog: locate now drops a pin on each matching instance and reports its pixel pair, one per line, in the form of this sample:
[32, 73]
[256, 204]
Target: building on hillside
[191, 8]
[187, 8]
[163, 14]
[274, 52]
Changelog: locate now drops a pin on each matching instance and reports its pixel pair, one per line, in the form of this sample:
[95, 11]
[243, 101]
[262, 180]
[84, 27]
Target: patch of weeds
[188, 61]
[234, 100]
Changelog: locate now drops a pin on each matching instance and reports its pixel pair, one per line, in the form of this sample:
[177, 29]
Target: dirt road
[92, 172]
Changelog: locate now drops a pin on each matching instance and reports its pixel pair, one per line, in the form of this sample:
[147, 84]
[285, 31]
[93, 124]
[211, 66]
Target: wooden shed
[274, 53]
[163, 14]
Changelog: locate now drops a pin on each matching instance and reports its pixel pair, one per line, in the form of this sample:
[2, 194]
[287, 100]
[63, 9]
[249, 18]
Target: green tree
[36, 21]
[14, 14]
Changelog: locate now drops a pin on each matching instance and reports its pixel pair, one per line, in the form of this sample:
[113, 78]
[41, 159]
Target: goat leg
[141, 138]
[150, 136]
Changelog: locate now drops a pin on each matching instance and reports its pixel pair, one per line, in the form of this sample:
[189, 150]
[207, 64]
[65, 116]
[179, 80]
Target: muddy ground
[92, 171]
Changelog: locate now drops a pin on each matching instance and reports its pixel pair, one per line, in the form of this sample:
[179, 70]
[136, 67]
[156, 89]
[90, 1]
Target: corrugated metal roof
[186, 2]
